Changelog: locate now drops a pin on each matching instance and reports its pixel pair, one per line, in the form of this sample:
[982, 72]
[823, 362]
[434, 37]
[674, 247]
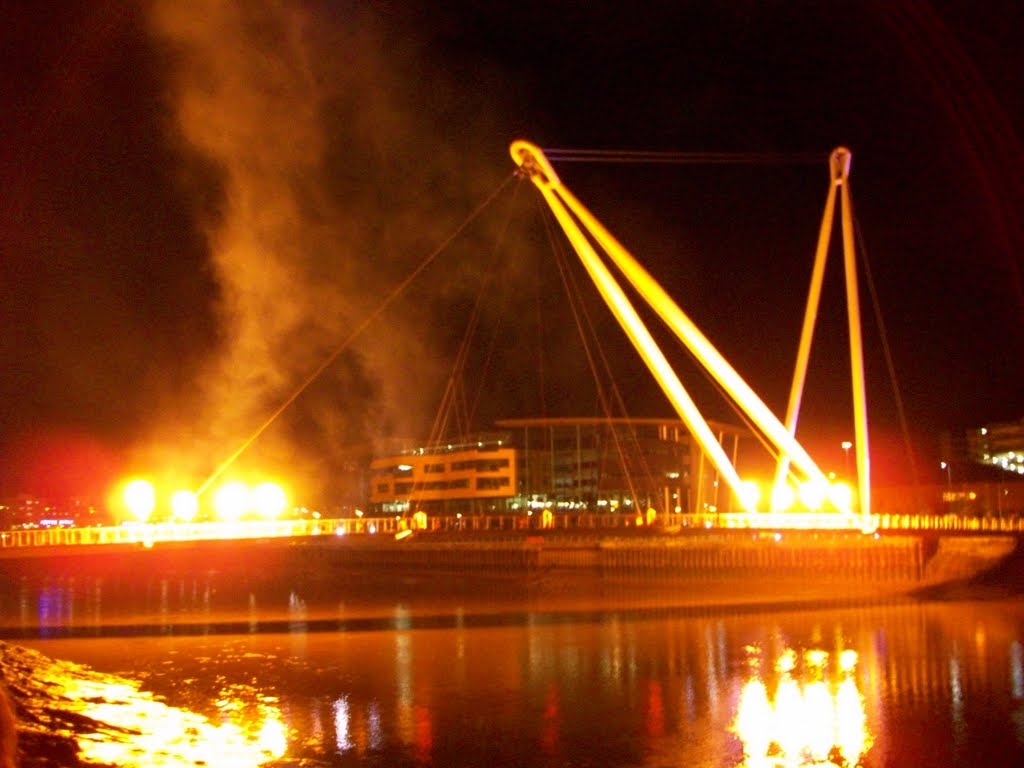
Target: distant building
[561, 464]
[27, 511]
[472, 476]
[967, 498]
[999, 445]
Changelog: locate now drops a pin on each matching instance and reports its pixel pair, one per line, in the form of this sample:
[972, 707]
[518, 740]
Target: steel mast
[561, 201]
[839, 169]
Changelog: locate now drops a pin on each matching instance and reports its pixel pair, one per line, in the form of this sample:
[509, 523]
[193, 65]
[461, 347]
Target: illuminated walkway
[583, 523]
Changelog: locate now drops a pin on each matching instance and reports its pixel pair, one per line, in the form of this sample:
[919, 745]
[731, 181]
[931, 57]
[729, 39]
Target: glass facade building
[561, 464]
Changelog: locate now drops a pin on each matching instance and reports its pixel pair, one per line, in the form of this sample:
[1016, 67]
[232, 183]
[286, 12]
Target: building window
[480, 465]
[492, 465]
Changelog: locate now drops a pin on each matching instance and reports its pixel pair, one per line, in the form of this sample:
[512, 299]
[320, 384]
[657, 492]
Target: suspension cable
[354, 334]
[887, 352]
[585, 326]
[454, 402]
[471, 410]
[671, 157]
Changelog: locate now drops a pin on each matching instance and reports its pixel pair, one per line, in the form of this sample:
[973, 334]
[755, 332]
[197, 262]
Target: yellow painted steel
[807, 332]
[532, 160]
[841, 167]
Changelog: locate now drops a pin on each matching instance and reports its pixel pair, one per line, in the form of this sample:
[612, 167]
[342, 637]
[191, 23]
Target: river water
[479, 675]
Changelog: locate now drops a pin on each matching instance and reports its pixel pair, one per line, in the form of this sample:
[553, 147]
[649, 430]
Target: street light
[846, 446]
[949, 477]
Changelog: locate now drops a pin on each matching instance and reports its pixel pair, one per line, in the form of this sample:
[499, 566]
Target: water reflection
[342, 725]
[114, 722]
[813, 715]
[410, 683]
[169, 736]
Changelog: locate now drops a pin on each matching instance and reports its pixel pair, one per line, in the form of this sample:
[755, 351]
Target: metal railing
[584, 523]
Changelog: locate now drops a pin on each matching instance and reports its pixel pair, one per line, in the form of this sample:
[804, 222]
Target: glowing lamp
[140, 499]
[269, 500]
[812, 495]
[782, 498]
[749, 495]
[184, 506]
[231, 501]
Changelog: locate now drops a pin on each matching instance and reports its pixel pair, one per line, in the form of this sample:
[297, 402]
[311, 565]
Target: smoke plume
[299, 119]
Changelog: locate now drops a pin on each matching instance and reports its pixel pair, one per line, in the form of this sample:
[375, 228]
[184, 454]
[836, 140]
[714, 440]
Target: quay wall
[823, 557]
[831, 557]
[892, 558]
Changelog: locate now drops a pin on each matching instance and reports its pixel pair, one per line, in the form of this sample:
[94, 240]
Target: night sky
[202, 201]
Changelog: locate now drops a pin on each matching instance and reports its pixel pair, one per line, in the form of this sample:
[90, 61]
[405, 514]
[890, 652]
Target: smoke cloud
[316, 176]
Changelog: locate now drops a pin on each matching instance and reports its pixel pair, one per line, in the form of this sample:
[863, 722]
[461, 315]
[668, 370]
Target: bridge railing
[583, 523]
[150, 533]
[811, 521]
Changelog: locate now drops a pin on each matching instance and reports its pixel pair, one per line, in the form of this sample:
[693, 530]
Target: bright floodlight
[184, 506]
[749, 495]
[782, 498]
[269, 500]
[140, 499]
[231, 501]
[812, 495]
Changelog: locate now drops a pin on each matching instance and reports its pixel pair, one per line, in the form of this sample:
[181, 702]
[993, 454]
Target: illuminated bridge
[799, 482]
[578, 525]
[712, 559]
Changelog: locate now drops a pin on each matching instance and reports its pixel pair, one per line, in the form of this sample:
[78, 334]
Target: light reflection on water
[114, 722]
[517, 681]
[813, 715]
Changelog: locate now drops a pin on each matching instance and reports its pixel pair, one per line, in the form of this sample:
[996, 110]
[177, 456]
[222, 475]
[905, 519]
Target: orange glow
[184, 506]
[231, 501]
[782, 498]
[269, 500]
[140, 498]
[749, 495]
[816, 711]
[812, 494]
